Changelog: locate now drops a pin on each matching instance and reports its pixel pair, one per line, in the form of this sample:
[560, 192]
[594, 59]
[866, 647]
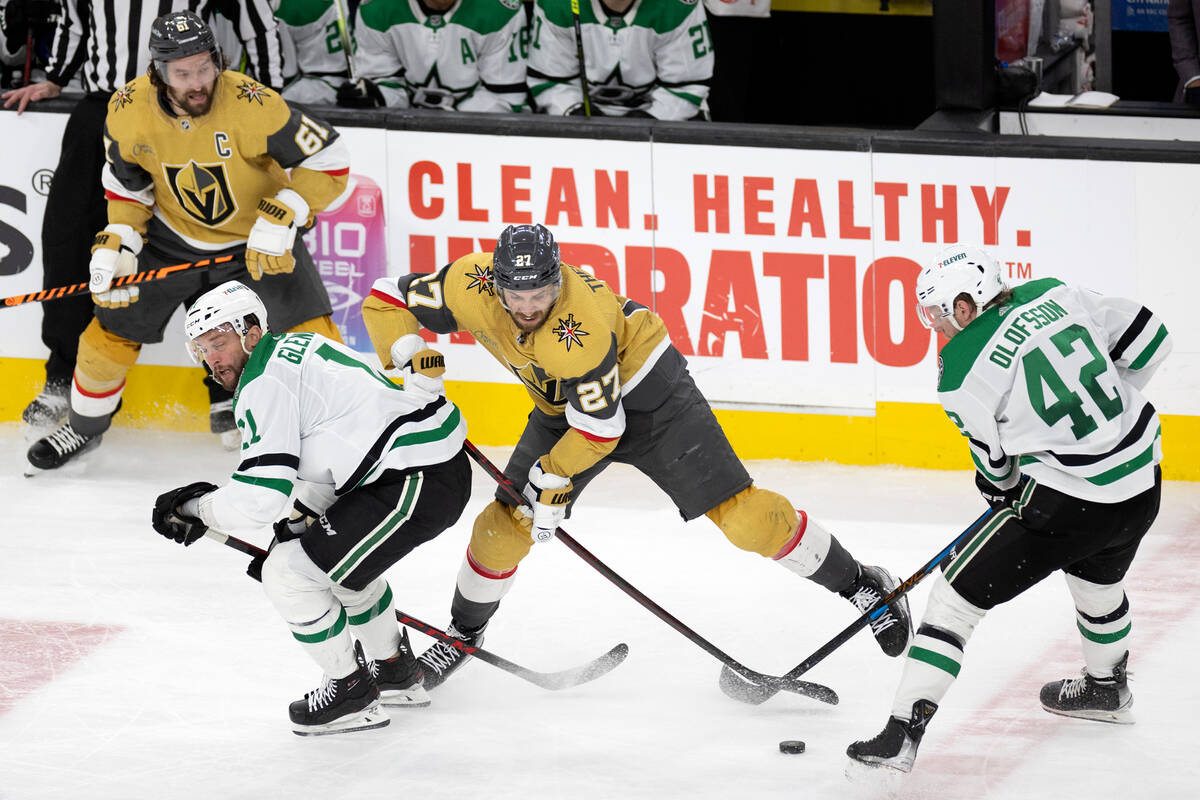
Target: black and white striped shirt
[108, 41]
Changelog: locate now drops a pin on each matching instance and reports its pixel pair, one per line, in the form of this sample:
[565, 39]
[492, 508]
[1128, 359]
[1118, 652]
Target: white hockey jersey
[1048, 385]
[471, 58]
[656, 58]
[314, 58]
[311, 410]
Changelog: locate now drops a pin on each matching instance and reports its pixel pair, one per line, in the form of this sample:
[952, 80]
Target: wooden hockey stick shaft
[814, 690]
[587, 102]
[46, 295]
[564, 679]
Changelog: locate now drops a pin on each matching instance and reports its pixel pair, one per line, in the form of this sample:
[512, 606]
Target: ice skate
[399, 678]
[896, 745]
[1085, 697]
[340, 705]
[443, 658]
[892, 628]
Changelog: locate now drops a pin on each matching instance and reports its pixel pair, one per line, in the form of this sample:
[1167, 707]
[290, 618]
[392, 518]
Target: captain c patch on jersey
[202, 191]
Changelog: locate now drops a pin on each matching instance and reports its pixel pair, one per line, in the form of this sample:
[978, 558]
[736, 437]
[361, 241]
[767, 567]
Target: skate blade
[882, 780]
[368, 719]
[415, 697]
[32, 471]
[1119, 717]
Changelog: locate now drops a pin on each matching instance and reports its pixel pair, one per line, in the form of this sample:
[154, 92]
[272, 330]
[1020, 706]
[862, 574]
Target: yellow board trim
[904, 434]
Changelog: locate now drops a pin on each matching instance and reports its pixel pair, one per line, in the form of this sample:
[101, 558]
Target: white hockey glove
[114, 255]
[269, 246]
[548, 495]
[420, 366]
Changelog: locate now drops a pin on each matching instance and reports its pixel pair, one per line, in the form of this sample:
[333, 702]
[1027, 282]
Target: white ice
[131, 667]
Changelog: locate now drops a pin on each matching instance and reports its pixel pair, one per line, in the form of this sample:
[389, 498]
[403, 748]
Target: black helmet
[181, 34]
[526, 257]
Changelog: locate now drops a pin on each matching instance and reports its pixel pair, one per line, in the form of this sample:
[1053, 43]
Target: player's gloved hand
[421, 366]
[548, 495]
[996, 497]
[286, 529]
[269, 246]
[363, 94]
[168, 518]
[114, 255]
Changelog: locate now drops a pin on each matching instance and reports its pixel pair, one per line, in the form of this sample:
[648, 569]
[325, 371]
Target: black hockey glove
[363, 94]
[285, 530]
[996, 497]
[169, 521]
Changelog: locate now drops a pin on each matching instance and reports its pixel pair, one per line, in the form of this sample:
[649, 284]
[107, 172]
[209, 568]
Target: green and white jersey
[311, 410]
[1048, 385]
[471, 58]
[314, 60]
[656, 58]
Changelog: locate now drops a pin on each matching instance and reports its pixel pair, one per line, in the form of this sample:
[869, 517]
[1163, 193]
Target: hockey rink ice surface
[131, 667]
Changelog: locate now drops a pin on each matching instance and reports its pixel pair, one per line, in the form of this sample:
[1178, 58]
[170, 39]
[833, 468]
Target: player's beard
[229, 375]
[194, 103]
[529, 326]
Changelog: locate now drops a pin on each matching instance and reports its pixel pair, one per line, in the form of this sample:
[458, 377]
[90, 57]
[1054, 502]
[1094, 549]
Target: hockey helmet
[233, 304]
[959, 269]
[526, 257]
[181, 34]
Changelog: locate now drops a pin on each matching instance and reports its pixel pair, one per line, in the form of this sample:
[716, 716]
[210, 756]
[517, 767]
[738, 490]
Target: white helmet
[228, 304]
[959, 269]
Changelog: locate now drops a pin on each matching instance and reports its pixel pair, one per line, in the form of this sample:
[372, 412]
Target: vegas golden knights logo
[202, 191]
[538, 382]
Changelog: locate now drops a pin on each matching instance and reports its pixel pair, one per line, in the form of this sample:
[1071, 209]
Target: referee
[106, 42]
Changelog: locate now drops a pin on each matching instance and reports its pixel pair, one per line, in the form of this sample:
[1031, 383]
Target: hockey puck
[791, 746]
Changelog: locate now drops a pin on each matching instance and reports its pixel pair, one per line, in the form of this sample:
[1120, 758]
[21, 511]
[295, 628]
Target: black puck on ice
[791, 746]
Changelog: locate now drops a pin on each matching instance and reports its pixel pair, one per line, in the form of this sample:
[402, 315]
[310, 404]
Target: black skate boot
[56, 449]
[49, 409]
[340, 705]
[893, 627]
[1101, 699]
[399, 678]
[442, 659]
[896, 745]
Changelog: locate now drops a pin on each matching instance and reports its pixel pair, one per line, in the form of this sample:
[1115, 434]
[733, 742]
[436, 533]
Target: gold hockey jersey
[203, 176]
[590, 360]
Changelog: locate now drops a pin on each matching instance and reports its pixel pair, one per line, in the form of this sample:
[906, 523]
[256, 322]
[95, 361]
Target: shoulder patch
[569, 331]
[122, 97]
[252, 92]
[481, 281]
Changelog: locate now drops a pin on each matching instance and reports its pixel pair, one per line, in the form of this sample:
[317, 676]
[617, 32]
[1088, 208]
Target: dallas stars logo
[569, 331]
[122, 97]
[251, 92]
[481, 281]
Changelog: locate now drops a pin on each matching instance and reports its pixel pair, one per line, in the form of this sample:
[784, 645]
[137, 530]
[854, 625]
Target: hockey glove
[286, 529]
[171, 522]
[114, 255]
[269, 246]
[420, 366]
[996, 497]
[363, 94]
[548, 496]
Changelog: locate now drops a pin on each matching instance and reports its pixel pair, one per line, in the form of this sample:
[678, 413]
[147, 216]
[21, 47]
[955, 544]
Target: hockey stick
[46, 295]
[564, 679]
[808, 689]
[587, 102]
[756, 693]
[347, 44]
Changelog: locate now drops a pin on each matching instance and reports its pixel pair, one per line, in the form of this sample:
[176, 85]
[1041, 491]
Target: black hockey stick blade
[565, 679]
[749, 688]
[755, 688]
